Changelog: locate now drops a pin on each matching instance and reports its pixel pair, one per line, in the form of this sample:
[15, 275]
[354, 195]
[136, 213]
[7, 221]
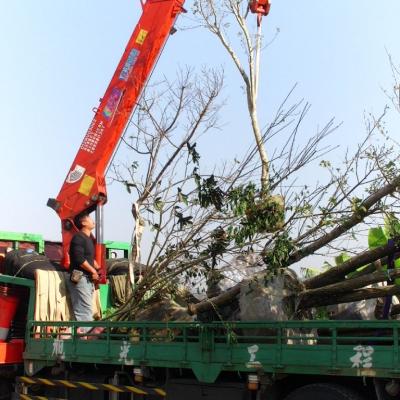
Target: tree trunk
[219, 300]
[356, 295]
[350, 284]
[335, 274]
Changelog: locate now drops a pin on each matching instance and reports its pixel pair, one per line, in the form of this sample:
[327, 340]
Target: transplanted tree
[201, 221]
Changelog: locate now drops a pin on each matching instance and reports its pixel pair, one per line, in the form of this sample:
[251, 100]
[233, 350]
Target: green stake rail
[341, 348]
[345, 348]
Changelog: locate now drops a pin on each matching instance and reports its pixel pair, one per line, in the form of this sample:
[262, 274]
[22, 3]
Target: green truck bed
[341, 348]
[345, 348]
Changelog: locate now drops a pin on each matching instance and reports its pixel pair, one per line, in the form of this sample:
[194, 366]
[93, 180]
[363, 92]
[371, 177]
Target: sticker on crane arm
[86, 185]
[126, 70]
[76, 174]
[141, 37]
[112, 103]
[93, 136]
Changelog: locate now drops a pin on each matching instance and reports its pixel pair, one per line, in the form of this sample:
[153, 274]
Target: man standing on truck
[83, 270]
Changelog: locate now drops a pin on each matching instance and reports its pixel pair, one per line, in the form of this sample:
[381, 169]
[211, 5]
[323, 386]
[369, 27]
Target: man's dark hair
[79, 218]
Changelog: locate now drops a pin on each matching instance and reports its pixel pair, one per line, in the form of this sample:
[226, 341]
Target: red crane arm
[84, 188]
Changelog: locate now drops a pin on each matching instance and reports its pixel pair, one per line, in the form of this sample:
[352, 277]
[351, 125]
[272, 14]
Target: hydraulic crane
[84, 189]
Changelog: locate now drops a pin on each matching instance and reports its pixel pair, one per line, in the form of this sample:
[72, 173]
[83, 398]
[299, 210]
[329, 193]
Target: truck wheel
[323, 391]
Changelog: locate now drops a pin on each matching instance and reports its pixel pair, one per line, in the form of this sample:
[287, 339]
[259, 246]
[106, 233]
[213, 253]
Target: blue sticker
[126, 70]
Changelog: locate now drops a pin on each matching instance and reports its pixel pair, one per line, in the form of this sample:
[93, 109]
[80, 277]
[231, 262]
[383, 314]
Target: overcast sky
[57, 58]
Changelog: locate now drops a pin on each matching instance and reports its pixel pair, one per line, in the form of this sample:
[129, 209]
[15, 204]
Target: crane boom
[84, 189]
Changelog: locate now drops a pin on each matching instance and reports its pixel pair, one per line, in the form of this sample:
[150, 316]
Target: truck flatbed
[341, 348]
[209, 353]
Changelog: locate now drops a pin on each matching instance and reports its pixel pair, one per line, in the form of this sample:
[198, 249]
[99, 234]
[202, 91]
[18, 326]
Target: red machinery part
[8, 307]
[11, 352]
[260, 7]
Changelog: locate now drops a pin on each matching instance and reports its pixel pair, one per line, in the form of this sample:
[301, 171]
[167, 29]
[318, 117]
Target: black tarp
[25, 262]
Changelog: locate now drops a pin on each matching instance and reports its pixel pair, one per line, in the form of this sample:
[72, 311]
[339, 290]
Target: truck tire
[120, 266]
[117, 266]
[5, 390]
[324, 391]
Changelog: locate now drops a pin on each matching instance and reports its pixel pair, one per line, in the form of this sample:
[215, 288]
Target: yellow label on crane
[141, 37]
[86, 185]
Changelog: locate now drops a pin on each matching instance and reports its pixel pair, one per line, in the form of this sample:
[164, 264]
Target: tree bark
[395, 310]
[350, 284]
[221, 299]
[375, 266]
[368, 269]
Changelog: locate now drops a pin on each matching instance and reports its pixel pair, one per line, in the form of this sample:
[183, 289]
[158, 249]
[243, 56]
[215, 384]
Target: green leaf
[183, 198]
[376, 237]
[193, 153]
[397, 266]
[325, 164]
[209, 192]
[128, 186]
[341, 258]
[155, 227]
[356, 204]
[392, 226]
[158, 204]
[182, 221]
[309, 272]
